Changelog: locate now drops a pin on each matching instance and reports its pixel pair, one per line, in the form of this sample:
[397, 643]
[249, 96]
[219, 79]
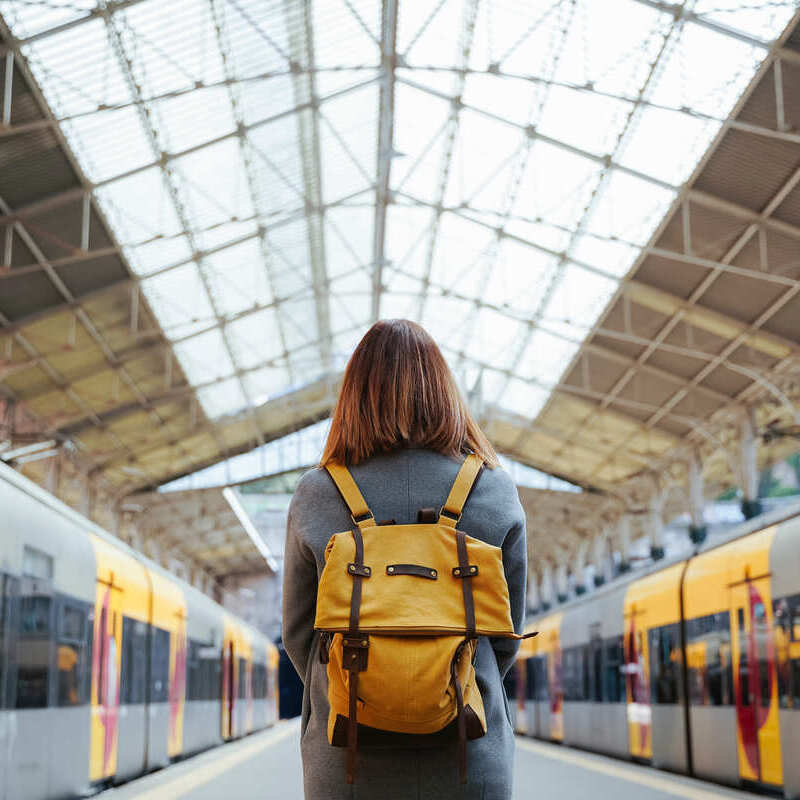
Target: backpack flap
[413, 585]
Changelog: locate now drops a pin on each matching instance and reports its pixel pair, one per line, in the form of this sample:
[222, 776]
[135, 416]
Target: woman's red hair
[398, 391]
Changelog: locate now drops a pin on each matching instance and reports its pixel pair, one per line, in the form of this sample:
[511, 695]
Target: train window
[614, 688]
[134, 661]
[7, 585]
[259, 681]
[587, 690]
[665, 663]
[71, 657]
[597, 670]
[159, 666]
[33, 651]
[708, 660]
[242, 678]
[530, 675]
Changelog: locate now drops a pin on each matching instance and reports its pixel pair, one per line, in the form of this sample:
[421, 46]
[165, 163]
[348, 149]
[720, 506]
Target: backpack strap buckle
[452, 517]
[359, 569]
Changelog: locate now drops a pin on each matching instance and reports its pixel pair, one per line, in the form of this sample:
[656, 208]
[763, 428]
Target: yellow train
[693, 666]
[110, 666]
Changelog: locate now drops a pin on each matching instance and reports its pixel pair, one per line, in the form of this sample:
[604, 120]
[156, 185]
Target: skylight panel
[461, 260]
[265, 383]
[104, 156]
[483, 163]
[348, 133]
[33, 18]
[555, 186]
[579, 295]
[491, 337]
[179, 301]
[237, 277]
[214, 184]
[519, 277]
[407, 237]
[90, 77]
[427, 33]
[205, 357]
[170, 45]
[222, 398]
[545, 355]
[185, 121]
[629, 208]
[705, 71]
[612, 256]
[420, 140]
[583, 119]
[762, 20]
[140, 207]
[288, 258]
[678, 139]
[158, 253]
[255, 338]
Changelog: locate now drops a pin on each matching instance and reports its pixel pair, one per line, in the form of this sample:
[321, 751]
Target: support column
[562, 582]
[601, 558]
[532, 601]
[546, 592]
[655, 525]
[697, 527]
[751, 505]
[581, 581]
[624, 538]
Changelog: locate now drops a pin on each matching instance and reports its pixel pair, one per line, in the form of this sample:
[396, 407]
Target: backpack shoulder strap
[450, 512]
[359, 510]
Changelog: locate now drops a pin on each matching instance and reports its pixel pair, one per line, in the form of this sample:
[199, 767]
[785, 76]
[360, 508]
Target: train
[691, 666]
[110, 667]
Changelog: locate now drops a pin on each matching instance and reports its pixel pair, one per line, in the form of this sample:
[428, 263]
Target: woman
[401, 427]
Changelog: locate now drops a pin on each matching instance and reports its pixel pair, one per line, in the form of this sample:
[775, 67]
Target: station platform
[267, 765]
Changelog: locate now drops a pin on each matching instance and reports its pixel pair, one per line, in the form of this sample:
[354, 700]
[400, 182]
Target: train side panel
[205, 624]
[595, 714]
[167, 669]
[122, 601]
[46, 575]
[785, 569]
[712, 713]
[653, 669]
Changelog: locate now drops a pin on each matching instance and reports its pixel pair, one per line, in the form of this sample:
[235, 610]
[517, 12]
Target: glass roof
[279, 174]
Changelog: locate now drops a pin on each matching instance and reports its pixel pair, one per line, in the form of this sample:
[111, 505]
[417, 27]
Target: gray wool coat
[396, 485]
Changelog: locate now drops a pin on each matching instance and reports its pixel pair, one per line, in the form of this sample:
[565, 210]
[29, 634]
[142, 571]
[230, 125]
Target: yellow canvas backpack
[399, 608]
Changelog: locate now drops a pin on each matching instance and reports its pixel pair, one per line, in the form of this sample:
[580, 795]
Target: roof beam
[721, 325]
[385, 146]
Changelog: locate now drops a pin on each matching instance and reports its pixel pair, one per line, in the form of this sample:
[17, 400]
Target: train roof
[40, 495]
[768, 518]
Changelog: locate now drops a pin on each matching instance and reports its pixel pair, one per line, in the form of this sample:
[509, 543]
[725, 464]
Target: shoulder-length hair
[398, 391]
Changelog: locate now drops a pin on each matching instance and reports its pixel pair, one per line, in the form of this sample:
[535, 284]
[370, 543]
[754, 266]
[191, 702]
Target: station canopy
[592, 206]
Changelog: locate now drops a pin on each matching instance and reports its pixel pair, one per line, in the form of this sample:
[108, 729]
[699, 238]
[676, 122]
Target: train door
[228, 689]
[106, 663]
[637, 684]
[754, 680]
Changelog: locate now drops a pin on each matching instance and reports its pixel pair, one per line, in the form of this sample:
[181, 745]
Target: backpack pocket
[407, 686]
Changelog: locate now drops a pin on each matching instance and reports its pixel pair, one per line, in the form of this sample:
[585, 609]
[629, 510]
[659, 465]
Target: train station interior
[592, 207]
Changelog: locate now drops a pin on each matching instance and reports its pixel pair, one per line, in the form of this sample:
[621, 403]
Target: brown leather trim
[426, 516]
[474, 728]
[354, 655]
[466, 583]
[377, 739]
[357, 573]
[412, 569]
[470, 573]
[359, 569]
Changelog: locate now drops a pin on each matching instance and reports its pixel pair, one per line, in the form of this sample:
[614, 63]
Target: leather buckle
[443, 512]
[359, 569]
[470, 573]
[355, 650]
[361, 517]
